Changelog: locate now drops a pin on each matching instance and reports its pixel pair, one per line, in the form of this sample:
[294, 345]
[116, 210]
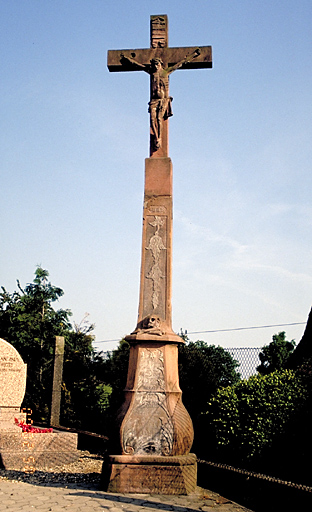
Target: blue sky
[74, 138]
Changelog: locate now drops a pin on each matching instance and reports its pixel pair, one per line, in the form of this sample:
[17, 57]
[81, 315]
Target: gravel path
[87, 469]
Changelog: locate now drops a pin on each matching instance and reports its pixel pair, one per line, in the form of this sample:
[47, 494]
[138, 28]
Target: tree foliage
[85, 394]
[115, 368]
[30, 323]
[203, 369]
[275, 355]
[263, 422]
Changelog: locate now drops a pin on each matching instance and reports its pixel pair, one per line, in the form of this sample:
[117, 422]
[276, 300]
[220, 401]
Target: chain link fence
[248, 359]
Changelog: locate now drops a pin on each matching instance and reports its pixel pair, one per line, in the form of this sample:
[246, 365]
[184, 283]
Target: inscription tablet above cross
[159, 61]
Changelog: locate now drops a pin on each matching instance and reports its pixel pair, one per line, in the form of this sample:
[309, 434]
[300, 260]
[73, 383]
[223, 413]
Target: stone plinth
[151, 474]
[156, 431]
[29, 452]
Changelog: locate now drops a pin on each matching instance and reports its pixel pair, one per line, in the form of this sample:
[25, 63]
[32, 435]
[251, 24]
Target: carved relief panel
[155, 279]
[148, 428]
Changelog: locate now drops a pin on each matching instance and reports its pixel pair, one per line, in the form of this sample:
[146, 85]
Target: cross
[156, 432]
[159, 61]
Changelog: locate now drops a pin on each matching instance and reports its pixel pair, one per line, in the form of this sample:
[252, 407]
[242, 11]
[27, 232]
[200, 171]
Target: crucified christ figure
[160, 101]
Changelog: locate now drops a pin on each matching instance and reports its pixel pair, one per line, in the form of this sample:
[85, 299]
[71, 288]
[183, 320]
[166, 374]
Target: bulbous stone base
[150, 474]
[155, 429]
[153, 420]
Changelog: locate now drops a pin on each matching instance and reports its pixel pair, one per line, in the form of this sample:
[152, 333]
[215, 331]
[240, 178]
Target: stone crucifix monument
[156, 432]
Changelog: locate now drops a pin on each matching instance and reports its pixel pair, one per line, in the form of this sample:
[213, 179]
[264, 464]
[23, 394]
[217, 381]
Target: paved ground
[75, 487]
[26, 497]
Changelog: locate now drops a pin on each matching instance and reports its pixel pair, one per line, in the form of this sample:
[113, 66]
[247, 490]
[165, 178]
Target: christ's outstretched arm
[187, 59]
[135, 63]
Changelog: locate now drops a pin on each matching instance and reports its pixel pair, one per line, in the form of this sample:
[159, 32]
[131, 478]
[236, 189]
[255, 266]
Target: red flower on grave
[26, 427]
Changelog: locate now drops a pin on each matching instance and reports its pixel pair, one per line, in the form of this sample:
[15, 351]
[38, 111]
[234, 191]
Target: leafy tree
[275, 355]
[85, 395]
[203, 369]
[29, 322]
[114, 369]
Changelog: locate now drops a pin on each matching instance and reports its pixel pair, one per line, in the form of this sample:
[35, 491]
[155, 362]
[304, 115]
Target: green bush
[243, 421]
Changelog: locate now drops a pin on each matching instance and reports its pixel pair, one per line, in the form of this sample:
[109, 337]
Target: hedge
[244, 421]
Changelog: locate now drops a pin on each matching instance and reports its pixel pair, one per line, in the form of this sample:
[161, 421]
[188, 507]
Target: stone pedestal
[156, 431]
[151, 474]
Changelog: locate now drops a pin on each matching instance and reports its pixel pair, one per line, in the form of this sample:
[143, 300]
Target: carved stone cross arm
[117, 60]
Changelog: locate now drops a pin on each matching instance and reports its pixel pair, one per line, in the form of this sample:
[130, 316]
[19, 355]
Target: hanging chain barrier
[258, 476]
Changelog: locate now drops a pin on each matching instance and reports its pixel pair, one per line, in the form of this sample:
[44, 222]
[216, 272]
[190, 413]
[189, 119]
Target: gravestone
[26, 451]
[156, 432]
[12, 385]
